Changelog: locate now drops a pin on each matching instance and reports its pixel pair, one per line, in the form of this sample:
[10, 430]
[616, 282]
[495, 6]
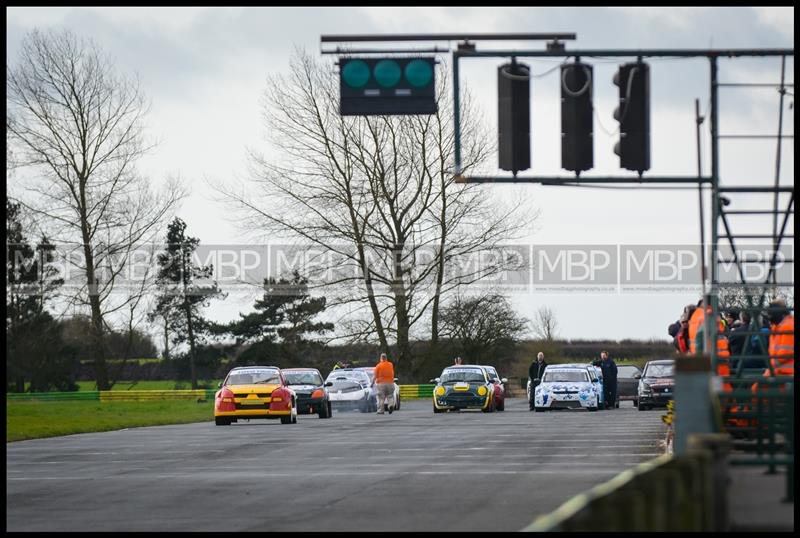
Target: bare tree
[481, 324]
[376, 196]
[545, 325]
[77, 126]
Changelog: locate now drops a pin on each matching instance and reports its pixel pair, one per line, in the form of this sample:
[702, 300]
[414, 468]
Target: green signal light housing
[375, 86]
[356, 74]
[419, 73]
[387, 73]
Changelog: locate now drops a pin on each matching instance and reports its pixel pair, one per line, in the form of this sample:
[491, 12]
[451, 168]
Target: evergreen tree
[186, 288]
[33, 343]
[284, 316]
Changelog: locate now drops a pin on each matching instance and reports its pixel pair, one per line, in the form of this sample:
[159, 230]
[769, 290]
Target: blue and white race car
[567, 386]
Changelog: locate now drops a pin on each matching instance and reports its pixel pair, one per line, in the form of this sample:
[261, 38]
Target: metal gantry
[723, 209]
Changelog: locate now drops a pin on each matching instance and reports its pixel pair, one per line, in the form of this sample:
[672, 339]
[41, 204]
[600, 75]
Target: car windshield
[468, 375]
[351, 376]
[253, 376]
[562, 376]
[660, 370]
[627, 371]
[302, 378]
[370, 372]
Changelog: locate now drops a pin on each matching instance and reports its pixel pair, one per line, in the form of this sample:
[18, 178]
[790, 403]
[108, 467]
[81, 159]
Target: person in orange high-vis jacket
[781, 341]
[697, 343]
[384, 381]
[781, 345]
[695, 323]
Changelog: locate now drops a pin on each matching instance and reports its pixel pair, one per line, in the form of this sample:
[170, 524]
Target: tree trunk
[166, 339]
[191, 345]
[188, 308]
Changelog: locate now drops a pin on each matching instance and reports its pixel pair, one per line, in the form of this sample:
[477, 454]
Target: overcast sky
[204, 70]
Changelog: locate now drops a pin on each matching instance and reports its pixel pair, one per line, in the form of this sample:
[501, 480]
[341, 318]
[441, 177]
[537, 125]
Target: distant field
[34, 420]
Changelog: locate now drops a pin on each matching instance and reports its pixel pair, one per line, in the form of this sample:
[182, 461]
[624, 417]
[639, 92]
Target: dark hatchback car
[312, 394]
[627, 382]
[656, 384]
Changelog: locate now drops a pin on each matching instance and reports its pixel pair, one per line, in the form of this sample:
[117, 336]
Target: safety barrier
[115, 395]
[416, 391]
[151, 395]
[761, 423]
[47, 396]
[668, 493]
[406, 391]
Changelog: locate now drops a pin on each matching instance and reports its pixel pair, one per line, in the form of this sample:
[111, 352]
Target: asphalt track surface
[409, 471]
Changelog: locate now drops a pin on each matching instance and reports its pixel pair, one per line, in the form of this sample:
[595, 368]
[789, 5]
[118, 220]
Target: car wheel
[490, 408]
[324, 411]
[539, 409]
[292, 418]
[640, 406]
[437, 410]
[222, 421]
[635, 403]
[502, 406]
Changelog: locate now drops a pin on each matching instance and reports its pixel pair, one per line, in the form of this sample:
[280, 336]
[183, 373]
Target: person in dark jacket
[609, 368]
[535, 373]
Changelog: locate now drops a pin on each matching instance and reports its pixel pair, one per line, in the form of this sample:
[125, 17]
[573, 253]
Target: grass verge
[35, 420]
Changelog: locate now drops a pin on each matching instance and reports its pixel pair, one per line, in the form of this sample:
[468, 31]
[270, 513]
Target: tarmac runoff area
[411, 470]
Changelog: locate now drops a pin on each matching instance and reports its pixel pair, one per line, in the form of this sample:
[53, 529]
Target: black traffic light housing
[387, 86]
[577, 127]
[513, 118]
[633, 114]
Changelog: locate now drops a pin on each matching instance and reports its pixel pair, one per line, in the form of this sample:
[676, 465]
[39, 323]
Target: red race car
[499, 387]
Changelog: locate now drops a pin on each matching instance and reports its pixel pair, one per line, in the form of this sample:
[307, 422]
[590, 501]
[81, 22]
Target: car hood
[659, 381]
[256, 388]
[559, 387]
[305, 388]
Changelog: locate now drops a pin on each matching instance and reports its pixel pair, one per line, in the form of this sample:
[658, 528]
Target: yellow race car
[254, 392]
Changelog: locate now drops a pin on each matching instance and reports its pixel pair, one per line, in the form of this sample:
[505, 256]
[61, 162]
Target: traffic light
[513, 118]
[384, 86]
[577, 129]
[633, 115]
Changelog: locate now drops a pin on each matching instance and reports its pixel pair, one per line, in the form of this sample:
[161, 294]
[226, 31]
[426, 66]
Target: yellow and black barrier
[151, 395]
[416, 391]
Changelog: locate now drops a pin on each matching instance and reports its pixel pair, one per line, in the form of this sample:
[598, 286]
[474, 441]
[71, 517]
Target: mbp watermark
[398, 269]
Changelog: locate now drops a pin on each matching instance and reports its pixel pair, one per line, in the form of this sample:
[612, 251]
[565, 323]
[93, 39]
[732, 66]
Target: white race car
[566, 387]
[351, 390]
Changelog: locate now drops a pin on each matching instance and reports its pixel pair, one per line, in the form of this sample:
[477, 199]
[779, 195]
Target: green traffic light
[387, 73]
[355, 73]
[419, 73]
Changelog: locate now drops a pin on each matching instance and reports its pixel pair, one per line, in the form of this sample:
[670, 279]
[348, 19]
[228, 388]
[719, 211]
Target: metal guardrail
[668, 493]
[761, 423]
[406, 391]
[115, 395]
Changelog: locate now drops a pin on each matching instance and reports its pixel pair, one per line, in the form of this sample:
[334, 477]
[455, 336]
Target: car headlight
[440, 391]
[644, 388]
[482, 391]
